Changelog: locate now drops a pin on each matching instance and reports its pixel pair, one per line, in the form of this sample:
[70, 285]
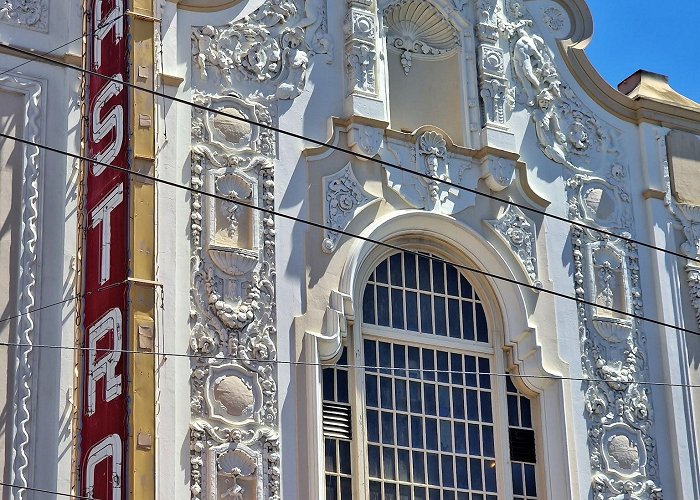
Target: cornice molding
[639, 110]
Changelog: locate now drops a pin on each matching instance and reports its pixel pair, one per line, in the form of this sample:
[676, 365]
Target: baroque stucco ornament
[265, 55]
[31, 14]
[343, 196]
[518, 232]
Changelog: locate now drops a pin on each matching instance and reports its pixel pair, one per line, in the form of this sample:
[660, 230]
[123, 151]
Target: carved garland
[31, 166]
[235, 425]
[31, 14]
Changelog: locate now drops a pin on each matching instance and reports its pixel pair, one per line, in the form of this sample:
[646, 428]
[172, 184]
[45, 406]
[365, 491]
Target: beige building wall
[11, 122]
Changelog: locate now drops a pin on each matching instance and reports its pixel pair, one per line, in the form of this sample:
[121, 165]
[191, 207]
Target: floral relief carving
[266, 53]
[31, 14]
[233, 383]
[518, 232]
[343, 195]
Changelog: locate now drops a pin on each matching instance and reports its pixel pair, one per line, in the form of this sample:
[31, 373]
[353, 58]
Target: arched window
[436, 420]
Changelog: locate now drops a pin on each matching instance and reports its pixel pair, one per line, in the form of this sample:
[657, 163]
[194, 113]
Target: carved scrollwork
[343, 195]
[32, 14]
[518, 232]
[266, 52]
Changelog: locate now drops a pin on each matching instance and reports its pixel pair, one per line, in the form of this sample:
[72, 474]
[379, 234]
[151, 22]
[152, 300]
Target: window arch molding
[448, 238]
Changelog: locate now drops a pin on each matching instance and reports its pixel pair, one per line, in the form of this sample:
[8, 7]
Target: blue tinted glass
[470, 370]
[345, 488]
[429, 399]
[374, 461]
[431, 434]
[371, 390]
[447, 473]
[444, 401]
[440, 316]
[434, 494]
[525, 413]
[490, 476]
[475, 474]
[467, 320]
[385, 357]
[443, 367]
[418, 467]
[404, 463]
[416, 399]
[466, 288]
[454, 329]
[368, 305]
[486, 410]
[445, 436]
[328, 384]
[410, 270]
[387, 428]
[370, 353]
[438, 276]
[513, 411]
[331, 465]
[474, 440]
[530, 483]
[487, 440]
[385, 391]
[412, 311]
[331, 487]
[404, 492]
[382, 306]
[426, 314]
[381, 273]
[399, 359]
[462, 473]
[401, 396]
[456, 369]
[448, 495]
[402, 430]
[433, 470]
[396, 270]
[397, 309]
[373, 426]
[482, 328]
[416, 432]
[342, 383]
[424, 273]
[518, 486]
[428, 364]
[472, 405]
[510, 387]
[458, 402]
[460, 438]
[452, 281]
[344, 455]
[375, 490]
[414, 362]
[389, 465]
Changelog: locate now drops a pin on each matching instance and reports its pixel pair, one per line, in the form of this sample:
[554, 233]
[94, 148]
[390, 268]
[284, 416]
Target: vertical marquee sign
[103, 429]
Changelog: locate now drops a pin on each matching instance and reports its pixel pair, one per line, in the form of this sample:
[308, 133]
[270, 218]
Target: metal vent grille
[337, 421]
[522, 445]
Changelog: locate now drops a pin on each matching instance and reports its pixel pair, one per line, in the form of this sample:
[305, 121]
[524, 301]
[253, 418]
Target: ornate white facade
[425, 119]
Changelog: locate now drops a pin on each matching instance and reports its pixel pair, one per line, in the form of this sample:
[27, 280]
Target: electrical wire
[54, 304]
[355, 236]
[379, 369]
[39, 490]
[353, 153]
[45, 54]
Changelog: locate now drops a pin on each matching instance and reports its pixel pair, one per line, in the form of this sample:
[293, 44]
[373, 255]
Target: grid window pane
[419, 294]
[439, 442]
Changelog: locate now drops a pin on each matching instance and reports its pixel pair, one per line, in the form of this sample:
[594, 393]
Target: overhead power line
[379, 161]
[40, 490]
[355, 236]
[377, 368]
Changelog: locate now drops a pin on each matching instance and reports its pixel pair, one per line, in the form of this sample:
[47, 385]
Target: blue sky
[659, 36]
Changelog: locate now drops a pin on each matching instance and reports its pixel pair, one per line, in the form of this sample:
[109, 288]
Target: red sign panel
[104, 417]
